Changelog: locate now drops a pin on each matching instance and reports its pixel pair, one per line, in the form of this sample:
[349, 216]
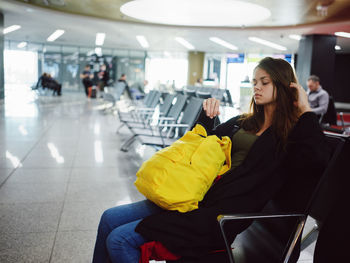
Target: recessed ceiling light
[296, 37]
[22, 45]
[196, 12]
[337, 47]
[342, 34]
[55, 35]
[267, 43]
[11, 29]
[143, 41]
[100, 39]
[184, 42]
[223, 43]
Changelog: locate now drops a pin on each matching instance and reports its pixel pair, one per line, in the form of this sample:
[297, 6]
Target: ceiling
[81, 20]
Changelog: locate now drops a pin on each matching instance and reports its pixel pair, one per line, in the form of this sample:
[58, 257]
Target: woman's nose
[257, 87]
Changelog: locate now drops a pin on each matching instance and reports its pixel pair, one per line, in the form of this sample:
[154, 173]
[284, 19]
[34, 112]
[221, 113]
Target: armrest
[223, 218]
[166, 118]
[174, 125]
[292, 243]
[145, 109]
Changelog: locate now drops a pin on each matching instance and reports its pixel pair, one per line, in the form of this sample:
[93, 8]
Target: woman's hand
[302, 103]
[211, 107]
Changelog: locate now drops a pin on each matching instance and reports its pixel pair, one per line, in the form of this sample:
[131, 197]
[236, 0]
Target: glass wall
[167, 71]
[65, 63]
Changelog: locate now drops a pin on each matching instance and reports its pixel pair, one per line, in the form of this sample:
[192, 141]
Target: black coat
[261, 176]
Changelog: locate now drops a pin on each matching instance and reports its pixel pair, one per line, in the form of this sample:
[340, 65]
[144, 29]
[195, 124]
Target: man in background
[86, 77]
[127, 88]
[318, 97]
[103, 76]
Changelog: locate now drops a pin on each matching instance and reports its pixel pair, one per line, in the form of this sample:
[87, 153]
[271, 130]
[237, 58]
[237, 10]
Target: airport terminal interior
[90, 90]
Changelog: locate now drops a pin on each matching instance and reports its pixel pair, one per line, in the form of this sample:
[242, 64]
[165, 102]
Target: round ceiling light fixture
[227, 13]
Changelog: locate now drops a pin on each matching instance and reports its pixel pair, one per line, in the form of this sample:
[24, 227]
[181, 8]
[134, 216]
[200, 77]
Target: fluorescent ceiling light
[196, 12]
[100, 39]
[223, 43]
[55, 35]
[22, 45]
[184, 42]
[143, 41]
[337, 47]
[342, 34]
[267, 43]
[11, 29]
[296, 37]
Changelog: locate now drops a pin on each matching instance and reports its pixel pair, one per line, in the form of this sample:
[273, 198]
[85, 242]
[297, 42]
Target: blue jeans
[116, 239]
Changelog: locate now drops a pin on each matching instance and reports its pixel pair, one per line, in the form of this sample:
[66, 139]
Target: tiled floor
[60, 167]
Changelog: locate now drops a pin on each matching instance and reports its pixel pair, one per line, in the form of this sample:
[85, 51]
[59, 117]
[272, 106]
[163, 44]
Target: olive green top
[241, 143]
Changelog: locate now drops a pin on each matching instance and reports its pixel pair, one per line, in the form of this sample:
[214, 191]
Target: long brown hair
[285, 114]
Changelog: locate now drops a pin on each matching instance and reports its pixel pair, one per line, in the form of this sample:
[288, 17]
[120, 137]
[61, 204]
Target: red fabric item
[157, 251]
[217, 178]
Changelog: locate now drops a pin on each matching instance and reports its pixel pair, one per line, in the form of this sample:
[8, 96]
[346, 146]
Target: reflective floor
[60, 168]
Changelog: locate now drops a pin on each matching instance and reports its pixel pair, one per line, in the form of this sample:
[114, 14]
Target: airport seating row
[159, 122]
[223, 95]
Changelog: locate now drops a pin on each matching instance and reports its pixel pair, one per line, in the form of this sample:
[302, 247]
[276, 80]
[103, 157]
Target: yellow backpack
[178, 177]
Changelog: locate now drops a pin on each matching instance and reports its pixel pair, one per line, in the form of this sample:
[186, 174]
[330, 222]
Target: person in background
[103, 76]
[199, 82]
[54, 85]
[318, 97]
[127, 88]
[272, 146]
[86, 77]
[43, 81]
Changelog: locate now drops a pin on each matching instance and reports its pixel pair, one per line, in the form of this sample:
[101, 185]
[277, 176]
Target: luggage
[92, 92]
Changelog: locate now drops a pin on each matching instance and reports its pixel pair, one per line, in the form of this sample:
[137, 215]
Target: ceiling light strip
[55, 35]
[295, 37]
[267, 43]
[22, 45]
[100, 39]
[185, 43]
[11, 29]
[143, 41]
[223, 43]
[342, 34]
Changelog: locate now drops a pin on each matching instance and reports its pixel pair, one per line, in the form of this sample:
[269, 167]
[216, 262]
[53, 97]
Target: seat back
[177, 105]
[330, 116]
[190, 91]
[155, 100]
[331, 245]
[118, 90]
[190, 113]
[267, 240]
[165, 107]
[219, 94]
[203, 94]
[228, 98]
[323, 197]
[149, 97]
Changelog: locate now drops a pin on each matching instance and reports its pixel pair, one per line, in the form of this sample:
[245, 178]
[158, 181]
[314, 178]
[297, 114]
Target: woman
[265, 143]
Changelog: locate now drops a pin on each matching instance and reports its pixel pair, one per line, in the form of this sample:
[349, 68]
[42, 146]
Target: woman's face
[263, 87]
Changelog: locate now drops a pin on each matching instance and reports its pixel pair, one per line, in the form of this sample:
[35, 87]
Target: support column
[195, 66]
[2, 81]
[316, 56]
